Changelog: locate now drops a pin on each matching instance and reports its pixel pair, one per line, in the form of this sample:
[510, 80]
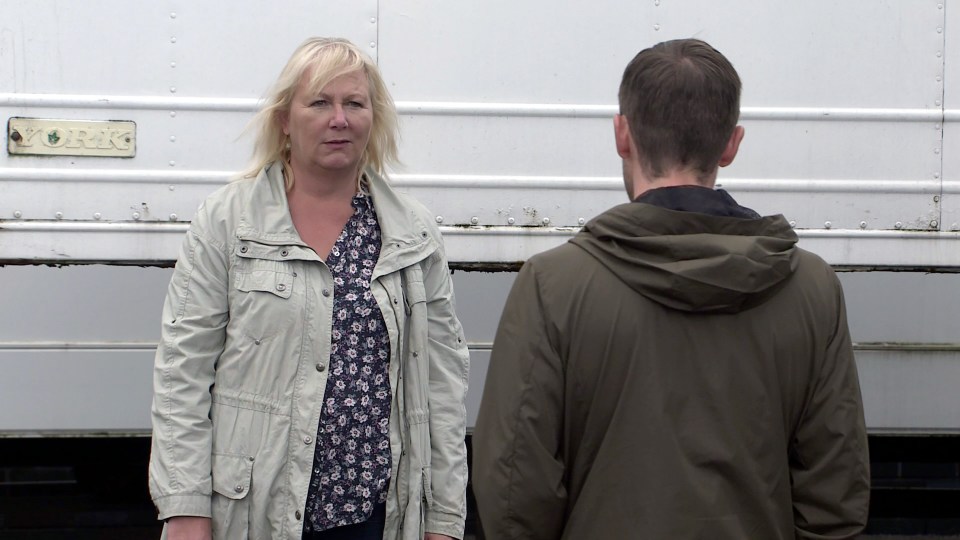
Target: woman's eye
[319, 103]
[355, 104]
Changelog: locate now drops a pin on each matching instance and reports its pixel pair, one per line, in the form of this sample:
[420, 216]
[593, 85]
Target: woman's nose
[339, 119]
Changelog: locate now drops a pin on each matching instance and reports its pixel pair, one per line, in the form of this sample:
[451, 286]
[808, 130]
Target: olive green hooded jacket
[673, 375]
[242, 366]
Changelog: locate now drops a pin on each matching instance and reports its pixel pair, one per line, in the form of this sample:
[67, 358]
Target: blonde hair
[327, 59]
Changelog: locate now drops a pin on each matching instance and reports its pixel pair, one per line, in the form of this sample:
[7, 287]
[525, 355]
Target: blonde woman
[311, 376]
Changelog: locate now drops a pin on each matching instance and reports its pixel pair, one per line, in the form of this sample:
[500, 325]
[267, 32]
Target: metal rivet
[297, 515]
[373, 20]
[257, 341]
[936, 150]
[173, 217]
[173, 114]
[59, 215]
[415, 354]
[395, 301]
[136, 215]
[934, 224]
[320, 367]
[939, 6]
[307, 440]
[172, 163]
[939, 54]
[173, 188]
[897, 225]
[939, 29]
[546, 221]
[173, 89]
[281, 287]
[238, 489]
[439, 219]
[937, 103]
[474, 220]
[97, 216]
[294, 274]
[939, 78]
[251, 459]
[173, 39]
[936, 198]
[17, 214]
[863, 224]
[373, 44]
[325, 292]
[173, 64]
[656, 27]
[581, 221]
[793, 223]
[15, 135]
[955, 227]
[173, 15]
[243, 249]
[284, 253]
[511, 221]
[173, 138]
[827, 224]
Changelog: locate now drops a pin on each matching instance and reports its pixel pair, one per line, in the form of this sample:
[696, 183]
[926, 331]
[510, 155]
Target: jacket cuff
[170, 506]
[444, 523]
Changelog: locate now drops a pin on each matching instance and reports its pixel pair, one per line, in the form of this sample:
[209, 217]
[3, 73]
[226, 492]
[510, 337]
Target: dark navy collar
[703, 200]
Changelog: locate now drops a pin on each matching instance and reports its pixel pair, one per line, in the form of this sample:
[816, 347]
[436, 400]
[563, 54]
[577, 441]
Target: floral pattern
[352, 459]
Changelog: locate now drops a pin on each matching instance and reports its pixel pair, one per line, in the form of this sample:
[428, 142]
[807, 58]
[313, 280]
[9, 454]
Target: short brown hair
[681, 99]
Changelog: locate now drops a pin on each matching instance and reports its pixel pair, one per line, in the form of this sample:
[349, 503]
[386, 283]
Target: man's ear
[621, 132]
[733, 145]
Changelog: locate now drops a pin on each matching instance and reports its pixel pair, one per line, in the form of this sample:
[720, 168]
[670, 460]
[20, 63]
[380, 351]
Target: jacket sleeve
[829, 462]
[449, 365]
[192, 338]
[517, 463]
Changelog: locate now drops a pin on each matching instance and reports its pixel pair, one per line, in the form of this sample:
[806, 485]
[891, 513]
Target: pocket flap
[231, 474]
[278, 283]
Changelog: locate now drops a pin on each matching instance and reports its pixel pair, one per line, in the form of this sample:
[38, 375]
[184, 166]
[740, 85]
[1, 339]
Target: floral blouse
[351, 468]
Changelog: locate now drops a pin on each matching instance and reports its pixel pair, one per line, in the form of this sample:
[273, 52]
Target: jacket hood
[686, 252]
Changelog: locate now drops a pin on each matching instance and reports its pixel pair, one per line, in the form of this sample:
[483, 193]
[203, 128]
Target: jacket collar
[700, 199]
[406, 239]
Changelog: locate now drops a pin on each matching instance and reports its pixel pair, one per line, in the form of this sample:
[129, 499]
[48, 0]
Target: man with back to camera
[680, 369]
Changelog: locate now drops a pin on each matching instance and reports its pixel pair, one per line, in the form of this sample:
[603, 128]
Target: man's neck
[676, 177]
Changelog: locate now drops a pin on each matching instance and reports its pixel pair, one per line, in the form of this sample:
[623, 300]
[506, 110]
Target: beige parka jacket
[240, 371]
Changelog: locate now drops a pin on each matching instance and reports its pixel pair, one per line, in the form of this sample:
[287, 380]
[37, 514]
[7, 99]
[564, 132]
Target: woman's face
[329, 130]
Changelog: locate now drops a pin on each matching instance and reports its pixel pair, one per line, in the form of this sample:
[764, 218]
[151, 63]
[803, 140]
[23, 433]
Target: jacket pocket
[263, 303]
[230, 508]
[427, 488]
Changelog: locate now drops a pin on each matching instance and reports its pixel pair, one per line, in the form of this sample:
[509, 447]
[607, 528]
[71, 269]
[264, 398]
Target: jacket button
[320, 367]
[297, 515]
[326, 292]
[284, 253]
[281, 287]
[257, 341]
[395, 301]
[238, 489]
[243, 249]
[415, 354]
[307, 440]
